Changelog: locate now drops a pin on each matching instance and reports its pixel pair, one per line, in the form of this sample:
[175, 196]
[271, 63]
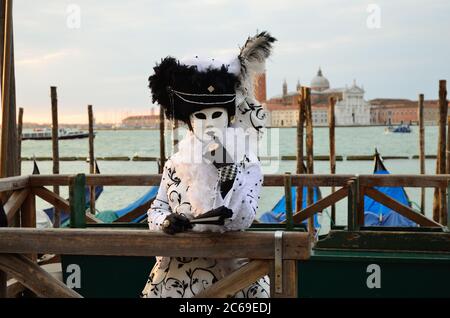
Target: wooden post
[352, 200]
[447, 164]
[19, 141]
[162, 145]
[77, 201]
[300, 127]
[445, 217]
[448, 203]
[175, 136]
[288, 201]
[436, 195]
[443, 112]
[28, 216]
[7, 113]
[28, 211]
[331, 125]
[306, 92]
[439, 202]
[6, 86]
[91, 158]
[359, 204]
[13, 165]
[55, 148]
[290, 280]
[3, 275]
[421, 151]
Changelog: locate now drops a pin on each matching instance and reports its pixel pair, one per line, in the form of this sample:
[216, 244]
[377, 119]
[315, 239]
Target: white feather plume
[252, 58]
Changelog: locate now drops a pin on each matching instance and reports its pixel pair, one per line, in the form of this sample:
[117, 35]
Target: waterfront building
[351, 108]
[141, 121]
[386, 111]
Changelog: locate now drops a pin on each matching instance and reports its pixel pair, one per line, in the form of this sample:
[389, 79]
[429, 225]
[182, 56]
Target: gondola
[135, 212]
[278, 213]
[375, 213]
[65, 215]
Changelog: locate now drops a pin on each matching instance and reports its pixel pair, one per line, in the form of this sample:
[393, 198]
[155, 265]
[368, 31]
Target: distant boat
[399, 129]
[46, 134]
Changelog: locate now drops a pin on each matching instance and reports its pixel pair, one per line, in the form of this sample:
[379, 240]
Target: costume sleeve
[160, 208]
[243, 197]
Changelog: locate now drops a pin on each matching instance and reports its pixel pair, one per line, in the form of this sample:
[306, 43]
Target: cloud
[107, 61]
[44, 60]
[294, 47]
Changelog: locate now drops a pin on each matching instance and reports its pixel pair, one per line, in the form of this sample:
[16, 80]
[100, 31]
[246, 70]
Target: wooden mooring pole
[91, 158]
[331, 124]
[175, 135]
[5, 169]
[436, 194]
[300, 159]
[8, 143]
[19, 140]
[443, 112]
[162, 143]
[55, 148]
[421, 150]
[439, 202]
[306, 92]
[447, 164]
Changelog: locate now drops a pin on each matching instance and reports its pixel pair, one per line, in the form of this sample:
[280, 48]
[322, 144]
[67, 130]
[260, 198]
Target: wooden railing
[20, 243]
[257, 246]
[349, 186]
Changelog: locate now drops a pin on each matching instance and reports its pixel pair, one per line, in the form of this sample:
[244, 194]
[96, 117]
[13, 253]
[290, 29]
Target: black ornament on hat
[182, 90]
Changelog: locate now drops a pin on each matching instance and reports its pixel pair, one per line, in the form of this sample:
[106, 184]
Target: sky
[101, 52]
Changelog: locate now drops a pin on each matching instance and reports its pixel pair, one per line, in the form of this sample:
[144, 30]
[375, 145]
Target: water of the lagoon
[349, 141]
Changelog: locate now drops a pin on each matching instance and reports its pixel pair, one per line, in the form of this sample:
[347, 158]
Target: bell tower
[285, 90]
[260, 88]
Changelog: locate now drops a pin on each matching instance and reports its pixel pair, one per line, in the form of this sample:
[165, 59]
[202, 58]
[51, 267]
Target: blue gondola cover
[376, 214]
[278, 213]
[149, 195]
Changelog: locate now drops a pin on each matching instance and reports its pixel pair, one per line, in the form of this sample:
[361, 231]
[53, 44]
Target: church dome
[319, 82]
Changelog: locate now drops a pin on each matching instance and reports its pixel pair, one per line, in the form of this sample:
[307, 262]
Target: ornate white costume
[191, 184]
[182, 186]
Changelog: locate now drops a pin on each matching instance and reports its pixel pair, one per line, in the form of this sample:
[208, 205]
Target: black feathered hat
[187, 86]
[182, 89]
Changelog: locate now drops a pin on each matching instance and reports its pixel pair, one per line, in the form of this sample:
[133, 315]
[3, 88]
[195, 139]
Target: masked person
[215, 171]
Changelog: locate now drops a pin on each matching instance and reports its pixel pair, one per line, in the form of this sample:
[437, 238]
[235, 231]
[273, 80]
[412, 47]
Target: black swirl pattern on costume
[171, 173]
[179, 286]
[254, 111]
[200, 279]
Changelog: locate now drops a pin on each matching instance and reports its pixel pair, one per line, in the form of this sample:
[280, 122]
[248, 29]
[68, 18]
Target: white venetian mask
[209, 123]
